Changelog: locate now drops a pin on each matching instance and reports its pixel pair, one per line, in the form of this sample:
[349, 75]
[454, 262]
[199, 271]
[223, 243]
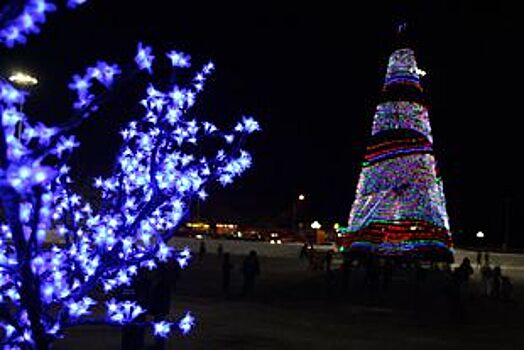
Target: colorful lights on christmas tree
[402, 69]
[402, 115]
[400, 207]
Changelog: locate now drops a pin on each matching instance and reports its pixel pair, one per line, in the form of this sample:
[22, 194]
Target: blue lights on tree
[18, 19]
[165, 162]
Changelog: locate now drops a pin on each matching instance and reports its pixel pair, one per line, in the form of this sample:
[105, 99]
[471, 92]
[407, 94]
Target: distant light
[198, 225]
[336, 226]
[316, 225]
[23, 79]
[301, 197]
[480, 234]
[279, 241]
[229, 226]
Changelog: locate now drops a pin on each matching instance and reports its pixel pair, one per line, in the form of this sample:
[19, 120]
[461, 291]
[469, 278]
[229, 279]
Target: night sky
[311, 72]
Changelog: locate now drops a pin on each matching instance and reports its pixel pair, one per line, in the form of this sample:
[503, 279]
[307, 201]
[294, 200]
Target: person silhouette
[465, 269]
[496, 280]
[486, 258]
[329, 259]
[506, 289]
[250, 271]
[227, 266]
[133, 336]
[479, 259]
[456, 302]
[303, 251]
[202, 251]
[160, 298]
[485, 278]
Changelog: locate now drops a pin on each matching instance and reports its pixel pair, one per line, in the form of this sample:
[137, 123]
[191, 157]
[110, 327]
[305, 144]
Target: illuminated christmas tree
[399, 208]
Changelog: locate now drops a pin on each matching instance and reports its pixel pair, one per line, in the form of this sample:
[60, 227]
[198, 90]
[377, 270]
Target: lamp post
[315, 225]
[507, 207]
[25, 81]
[480, 236]
[294, 212]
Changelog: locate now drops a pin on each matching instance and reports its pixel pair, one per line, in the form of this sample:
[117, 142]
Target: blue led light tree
[161, 167]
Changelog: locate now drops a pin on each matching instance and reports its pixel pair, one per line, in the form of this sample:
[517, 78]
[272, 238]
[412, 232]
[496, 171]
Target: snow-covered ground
[239, 247]
[292, 250]
[294, 308]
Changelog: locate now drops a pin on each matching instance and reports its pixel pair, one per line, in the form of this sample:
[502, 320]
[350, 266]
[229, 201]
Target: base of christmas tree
[409, 239]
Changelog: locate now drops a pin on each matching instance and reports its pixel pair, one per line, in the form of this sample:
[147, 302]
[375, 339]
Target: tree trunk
[29, 288]
[30, 298]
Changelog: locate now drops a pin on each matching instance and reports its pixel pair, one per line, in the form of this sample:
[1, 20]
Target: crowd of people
[250, 269]
[154, 289]
[493, 284]
[377, 274]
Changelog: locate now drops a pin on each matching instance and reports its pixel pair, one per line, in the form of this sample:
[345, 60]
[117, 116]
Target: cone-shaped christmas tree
[399, 208]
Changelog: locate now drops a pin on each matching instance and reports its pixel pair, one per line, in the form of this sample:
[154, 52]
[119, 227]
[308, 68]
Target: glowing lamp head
[480, 234]
[23, 79]
[316, 225]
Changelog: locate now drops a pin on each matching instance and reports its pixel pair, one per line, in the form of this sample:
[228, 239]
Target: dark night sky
[311, 74]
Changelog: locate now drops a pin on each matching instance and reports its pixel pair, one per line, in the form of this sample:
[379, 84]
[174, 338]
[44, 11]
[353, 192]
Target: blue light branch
[28, 21]
[103, 73]
[162, 167]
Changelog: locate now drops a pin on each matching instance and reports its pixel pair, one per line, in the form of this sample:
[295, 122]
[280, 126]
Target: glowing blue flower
[161, 329]
[186, 323]
[80, 84]
[179, 59]
[105, 73]
[144, 58]
[250, 124]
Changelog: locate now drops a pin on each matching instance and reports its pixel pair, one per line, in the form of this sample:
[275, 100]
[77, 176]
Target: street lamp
[23, 80]
[297, 205]
[26, 81]
[316, 225]
[480, 236]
